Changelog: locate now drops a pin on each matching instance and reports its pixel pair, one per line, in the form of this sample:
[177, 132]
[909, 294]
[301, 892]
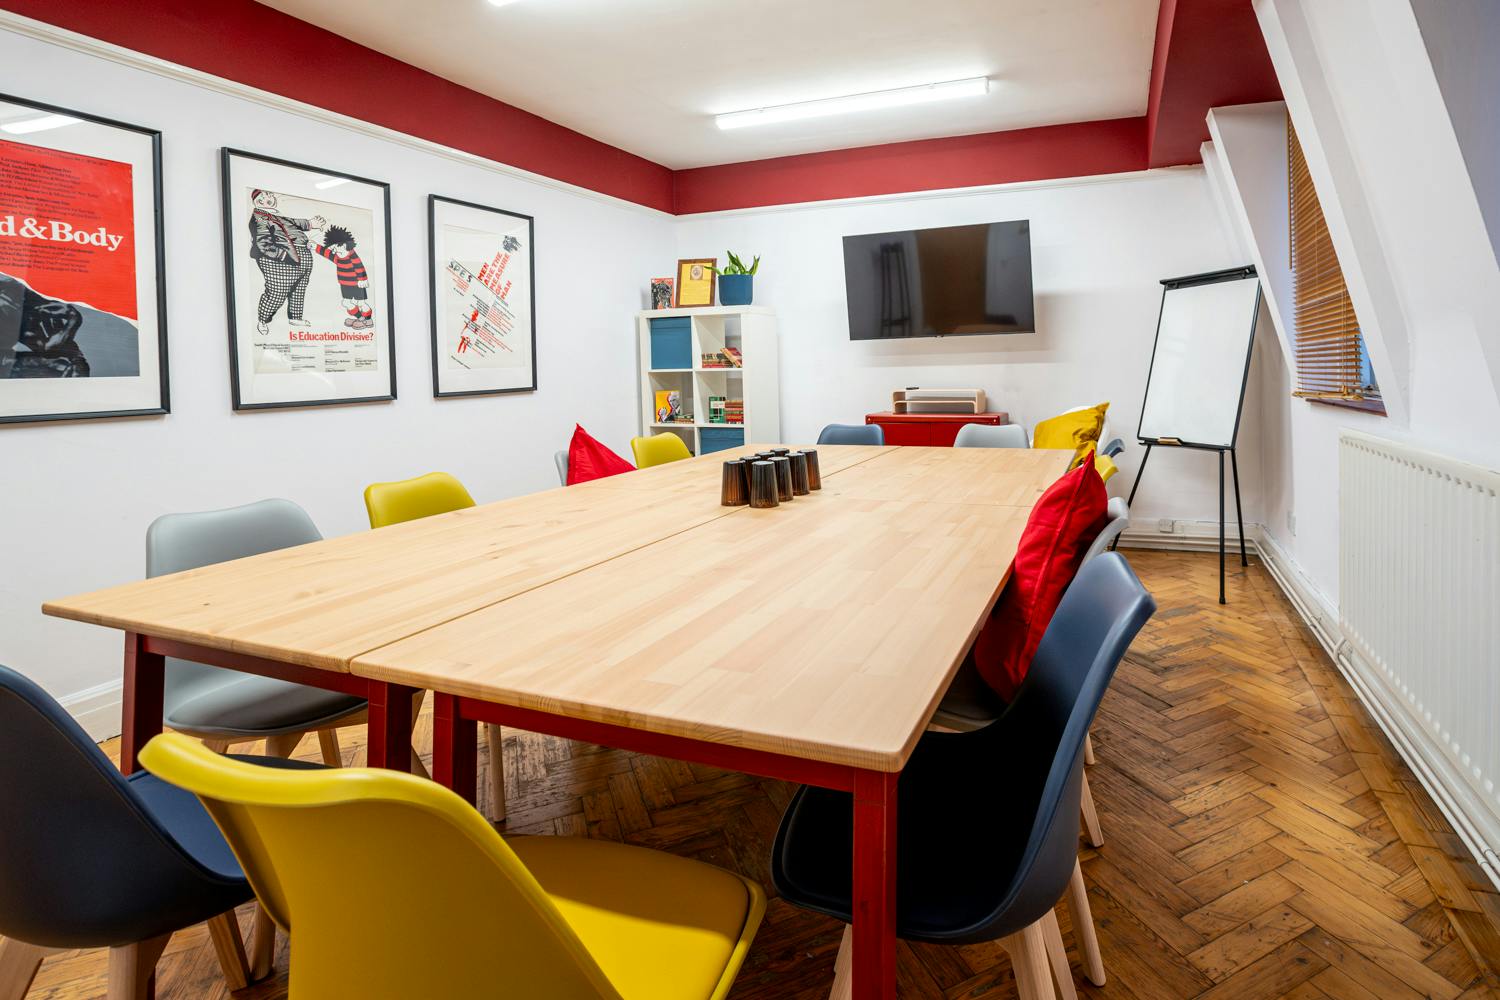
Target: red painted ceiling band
[1208, 52]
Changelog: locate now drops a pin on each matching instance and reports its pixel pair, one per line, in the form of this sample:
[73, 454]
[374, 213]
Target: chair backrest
[1119, 518]
[83, 864]
[560, 459]
[659, 449]
[1038, 742]
[445, 906]
[852, 434]
[178, 542]
[410, 499]
[986, 436]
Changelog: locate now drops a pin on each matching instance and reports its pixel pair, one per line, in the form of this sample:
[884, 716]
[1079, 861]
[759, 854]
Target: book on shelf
[668, 406]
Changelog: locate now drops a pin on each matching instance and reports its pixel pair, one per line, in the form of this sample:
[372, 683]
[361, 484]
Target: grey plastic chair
[852, 434]
[561, 460]
[1115, 446]
[225, 706]
[1119, 520]
[986, 436]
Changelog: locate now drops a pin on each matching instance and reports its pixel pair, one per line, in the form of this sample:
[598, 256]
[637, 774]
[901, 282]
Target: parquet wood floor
[1263, 840]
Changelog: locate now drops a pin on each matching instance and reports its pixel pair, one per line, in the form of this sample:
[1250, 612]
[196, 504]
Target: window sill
[1374, 406]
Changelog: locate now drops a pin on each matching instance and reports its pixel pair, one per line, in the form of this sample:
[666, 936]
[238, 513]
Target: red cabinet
[930, 429]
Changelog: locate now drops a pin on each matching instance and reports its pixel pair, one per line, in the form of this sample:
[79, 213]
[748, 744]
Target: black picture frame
[158, 229]
[434, 280]
[227, 155]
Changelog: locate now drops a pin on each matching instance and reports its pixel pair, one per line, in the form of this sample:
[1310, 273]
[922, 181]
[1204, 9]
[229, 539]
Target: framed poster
[307, 261]
[83, 299]
[483, 299]
[695, 282]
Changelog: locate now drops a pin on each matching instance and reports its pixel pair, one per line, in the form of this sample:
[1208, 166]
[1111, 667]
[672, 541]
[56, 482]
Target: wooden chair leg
[843, 968]
[132, 969]
[492, 735]
[217, 746]
[328, 742]
[1028, 957]
[1088, 749]
[262, 944]
[18, 964]
[417, 767]
[1090, 817]
[224, 932]
[1083, 927]
[1057, 957]
[283, 745]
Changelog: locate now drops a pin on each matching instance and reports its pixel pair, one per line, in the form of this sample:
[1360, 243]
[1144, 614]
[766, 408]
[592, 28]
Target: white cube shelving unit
[670, 348]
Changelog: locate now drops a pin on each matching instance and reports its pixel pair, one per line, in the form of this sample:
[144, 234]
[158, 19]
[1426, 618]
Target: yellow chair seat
[661, 927]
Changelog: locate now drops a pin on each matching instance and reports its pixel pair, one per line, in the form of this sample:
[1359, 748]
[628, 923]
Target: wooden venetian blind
[1330, 352]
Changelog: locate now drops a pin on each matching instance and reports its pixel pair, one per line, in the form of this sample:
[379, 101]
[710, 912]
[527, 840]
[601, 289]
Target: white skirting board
[97, 709]
[1471, 820]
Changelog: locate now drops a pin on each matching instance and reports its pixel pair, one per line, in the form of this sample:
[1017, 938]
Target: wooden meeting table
[809, 643]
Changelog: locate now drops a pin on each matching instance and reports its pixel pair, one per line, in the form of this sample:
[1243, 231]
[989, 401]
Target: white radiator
[1419, 601]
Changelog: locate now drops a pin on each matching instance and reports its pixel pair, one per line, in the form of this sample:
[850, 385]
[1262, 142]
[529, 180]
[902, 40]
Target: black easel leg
[1115, 545]
[1239, 515]
[1221, 529]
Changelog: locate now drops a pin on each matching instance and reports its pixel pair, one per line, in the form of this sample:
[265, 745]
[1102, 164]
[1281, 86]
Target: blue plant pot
[736, 289]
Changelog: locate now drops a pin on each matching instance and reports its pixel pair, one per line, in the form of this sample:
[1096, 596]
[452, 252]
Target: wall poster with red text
[82, 317]
[308, 264]
[483, 320]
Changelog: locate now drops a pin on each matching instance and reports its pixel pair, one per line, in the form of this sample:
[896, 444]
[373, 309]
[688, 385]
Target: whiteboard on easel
[1201, 359]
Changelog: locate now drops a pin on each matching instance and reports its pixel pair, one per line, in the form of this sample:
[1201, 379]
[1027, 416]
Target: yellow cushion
[1105, 466]
[661, 927]
[1078, 430]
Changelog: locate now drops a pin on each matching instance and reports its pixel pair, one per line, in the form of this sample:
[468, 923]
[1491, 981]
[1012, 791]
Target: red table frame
[145, 679]
[455, 764]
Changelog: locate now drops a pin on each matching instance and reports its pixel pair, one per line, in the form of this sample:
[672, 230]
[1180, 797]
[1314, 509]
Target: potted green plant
[736, 281]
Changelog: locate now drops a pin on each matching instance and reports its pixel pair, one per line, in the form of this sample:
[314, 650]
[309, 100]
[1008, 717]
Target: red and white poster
[80, 289]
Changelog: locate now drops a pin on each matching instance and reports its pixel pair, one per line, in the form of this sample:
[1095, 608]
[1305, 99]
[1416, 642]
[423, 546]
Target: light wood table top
[320, 604]
[1008, 476]
[825, 628]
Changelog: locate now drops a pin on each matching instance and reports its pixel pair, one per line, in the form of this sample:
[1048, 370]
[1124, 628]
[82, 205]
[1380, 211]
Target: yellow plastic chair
[409, 499]
[659, 449]
[546, 918]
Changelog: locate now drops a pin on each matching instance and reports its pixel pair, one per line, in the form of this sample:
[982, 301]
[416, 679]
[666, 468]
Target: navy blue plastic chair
[852, 434]
[93, 859]
[987, 829]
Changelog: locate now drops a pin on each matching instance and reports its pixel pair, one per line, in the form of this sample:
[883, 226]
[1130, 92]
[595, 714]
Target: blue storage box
[718, 438]
[672, 342]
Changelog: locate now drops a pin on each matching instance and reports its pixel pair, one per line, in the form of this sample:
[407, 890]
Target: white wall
[77, 497]
[1405, 221]
[1099, 248]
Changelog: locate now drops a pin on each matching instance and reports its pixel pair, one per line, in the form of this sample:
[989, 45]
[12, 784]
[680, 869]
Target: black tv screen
[952, 281]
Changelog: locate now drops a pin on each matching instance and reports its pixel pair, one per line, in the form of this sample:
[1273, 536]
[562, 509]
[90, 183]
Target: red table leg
[390, 725]
[874, 885]
[145, 680]
[455, 758]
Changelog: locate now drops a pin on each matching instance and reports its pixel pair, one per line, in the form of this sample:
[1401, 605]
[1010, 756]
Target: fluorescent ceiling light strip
[41, 124]
[921, 94]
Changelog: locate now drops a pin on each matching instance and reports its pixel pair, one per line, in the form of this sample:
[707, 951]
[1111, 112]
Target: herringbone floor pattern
[1263, 840]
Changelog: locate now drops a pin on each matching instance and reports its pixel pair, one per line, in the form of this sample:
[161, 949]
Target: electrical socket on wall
[1166, 526]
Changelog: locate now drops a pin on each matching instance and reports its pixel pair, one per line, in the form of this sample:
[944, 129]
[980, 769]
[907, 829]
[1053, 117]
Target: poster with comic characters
[308, 261]
[483, 290]
[82, 290]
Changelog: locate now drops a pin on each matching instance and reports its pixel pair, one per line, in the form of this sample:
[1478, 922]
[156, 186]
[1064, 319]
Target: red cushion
[1062, 526]
[588, 459]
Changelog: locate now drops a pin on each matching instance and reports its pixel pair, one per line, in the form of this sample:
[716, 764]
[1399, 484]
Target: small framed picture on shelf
[661, 293]
[695, 282]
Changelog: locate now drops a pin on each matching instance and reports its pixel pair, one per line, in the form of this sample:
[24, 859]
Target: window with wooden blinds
[1331, 362]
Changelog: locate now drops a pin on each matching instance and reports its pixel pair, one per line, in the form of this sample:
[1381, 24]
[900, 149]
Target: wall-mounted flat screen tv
[951, 281]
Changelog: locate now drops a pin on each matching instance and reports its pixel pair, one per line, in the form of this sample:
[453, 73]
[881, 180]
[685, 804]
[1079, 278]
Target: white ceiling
[648, 75]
